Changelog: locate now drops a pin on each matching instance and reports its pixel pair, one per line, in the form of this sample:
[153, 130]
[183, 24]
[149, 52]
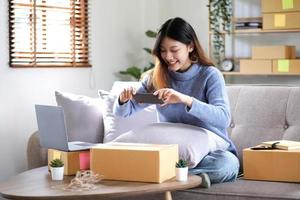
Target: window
[48, 33]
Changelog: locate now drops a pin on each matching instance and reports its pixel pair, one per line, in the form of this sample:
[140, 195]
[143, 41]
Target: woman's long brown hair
[179, 30]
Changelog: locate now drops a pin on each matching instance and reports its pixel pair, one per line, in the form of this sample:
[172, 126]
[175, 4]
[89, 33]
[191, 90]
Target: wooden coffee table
[37, 184]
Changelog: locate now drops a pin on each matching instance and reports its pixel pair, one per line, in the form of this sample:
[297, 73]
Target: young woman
[193, 92]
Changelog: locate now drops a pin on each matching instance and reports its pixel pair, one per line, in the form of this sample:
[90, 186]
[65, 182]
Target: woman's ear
[191, 47]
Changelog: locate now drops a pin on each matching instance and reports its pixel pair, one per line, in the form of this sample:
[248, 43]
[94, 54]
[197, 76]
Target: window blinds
[48, 33]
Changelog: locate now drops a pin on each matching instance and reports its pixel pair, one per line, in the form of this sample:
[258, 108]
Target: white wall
[193, 11]
[117, 39]
[20, 89]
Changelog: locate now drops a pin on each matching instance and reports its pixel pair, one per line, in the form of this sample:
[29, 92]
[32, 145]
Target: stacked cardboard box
[250, 66]
[268, 59]
[286, 66]
[280, 14]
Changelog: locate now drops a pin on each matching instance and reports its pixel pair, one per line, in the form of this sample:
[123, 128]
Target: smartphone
[147, 98]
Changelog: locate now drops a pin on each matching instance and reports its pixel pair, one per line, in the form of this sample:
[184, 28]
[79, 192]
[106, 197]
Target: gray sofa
[259, 113]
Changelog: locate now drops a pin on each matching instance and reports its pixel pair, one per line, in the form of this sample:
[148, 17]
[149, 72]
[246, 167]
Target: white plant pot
[182, 174]
[57, 173]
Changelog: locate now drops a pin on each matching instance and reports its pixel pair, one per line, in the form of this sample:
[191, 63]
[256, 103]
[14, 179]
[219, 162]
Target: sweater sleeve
[216, 112]
[131, 106]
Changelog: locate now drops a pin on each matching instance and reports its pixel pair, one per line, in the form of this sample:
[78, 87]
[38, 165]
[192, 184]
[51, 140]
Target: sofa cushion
[83, 117]
[116, 125]
[263, 113]
[192, 141]
[242, 189]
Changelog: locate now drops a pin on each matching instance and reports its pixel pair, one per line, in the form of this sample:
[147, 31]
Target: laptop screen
[52, 127]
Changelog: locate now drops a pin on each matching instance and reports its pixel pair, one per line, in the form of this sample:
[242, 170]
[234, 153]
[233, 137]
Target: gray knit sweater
[210, 107]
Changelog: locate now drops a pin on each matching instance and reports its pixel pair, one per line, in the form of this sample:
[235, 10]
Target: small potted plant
[181, 170]
[57, 169]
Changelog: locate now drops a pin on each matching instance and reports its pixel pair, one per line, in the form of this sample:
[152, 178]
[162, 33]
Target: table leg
[168, 195]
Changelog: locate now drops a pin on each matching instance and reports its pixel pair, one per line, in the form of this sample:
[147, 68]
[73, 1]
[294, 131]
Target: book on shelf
[247, 25]
[283, 144]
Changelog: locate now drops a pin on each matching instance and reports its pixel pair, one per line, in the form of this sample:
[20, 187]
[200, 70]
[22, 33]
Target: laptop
[53, 132]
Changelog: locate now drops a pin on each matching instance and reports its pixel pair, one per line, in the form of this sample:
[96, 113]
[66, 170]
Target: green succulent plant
[56, 163]
[136, 72]
[181, 163]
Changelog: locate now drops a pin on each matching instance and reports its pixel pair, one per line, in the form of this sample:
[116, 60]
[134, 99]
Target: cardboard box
[248, 66]
[272, 165]
[286, 66]
[273, 52]
[277, 21]
[73, 161]
[271, 6]
[135, 162]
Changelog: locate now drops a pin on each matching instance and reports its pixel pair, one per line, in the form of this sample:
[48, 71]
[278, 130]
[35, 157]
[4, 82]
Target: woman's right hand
[126, 95]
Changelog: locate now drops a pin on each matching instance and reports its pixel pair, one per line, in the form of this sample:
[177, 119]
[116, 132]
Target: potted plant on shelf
[181, 170]
[220, 17]
[57, 169]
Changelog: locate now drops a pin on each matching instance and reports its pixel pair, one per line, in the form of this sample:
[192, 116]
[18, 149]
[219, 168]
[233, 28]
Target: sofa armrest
[36, 155]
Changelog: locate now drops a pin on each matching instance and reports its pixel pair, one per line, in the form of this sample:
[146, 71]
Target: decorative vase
[182, 173]
[57, 173]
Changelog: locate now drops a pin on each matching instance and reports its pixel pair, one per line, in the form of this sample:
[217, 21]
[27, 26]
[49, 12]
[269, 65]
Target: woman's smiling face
[175, 54]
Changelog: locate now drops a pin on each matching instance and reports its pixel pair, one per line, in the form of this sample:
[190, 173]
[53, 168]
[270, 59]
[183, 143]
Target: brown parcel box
[73, 161]
[272, 165]
[248, 66]
[271, 6]
[274, 52]
[135, 162]
[286, 66]
[273, 21]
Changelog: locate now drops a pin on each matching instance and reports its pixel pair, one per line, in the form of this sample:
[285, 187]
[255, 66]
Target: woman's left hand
[170, 96]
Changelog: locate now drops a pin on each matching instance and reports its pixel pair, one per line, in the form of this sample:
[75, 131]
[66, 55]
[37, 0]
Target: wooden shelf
[254, 74]
[255, 30]
[237, 59]
[260, 31]
[247, 31]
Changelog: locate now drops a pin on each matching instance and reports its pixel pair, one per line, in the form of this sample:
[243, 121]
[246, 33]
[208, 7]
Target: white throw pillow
[83, 117]
[192, 140]
[114, 126]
